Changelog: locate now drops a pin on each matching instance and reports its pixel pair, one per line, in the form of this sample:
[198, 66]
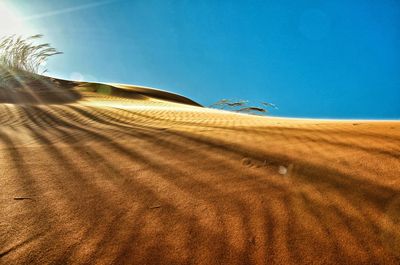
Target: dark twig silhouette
[242, 106]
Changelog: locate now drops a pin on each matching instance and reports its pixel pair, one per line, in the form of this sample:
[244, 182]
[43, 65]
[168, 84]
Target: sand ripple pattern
[134, 181]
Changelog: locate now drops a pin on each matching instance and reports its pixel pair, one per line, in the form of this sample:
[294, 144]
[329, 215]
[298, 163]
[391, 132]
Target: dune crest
[36, 89]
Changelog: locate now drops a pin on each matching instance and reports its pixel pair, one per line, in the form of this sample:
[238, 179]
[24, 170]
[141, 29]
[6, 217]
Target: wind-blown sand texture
[128, 177]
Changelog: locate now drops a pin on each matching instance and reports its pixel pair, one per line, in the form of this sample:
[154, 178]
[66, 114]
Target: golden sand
[111, 179]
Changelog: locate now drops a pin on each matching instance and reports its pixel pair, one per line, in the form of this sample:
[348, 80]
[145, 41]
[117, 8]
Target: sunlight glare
[10, 23]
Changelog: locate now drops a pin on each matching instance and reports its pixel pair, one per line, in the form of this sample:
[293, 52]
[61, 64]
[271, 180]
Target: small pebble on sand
[282, 170]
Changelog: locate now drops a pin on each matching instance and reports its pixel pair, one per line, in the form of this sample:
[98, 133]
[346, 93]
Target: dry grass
[21, 56]
[242, 106]
[21, 53]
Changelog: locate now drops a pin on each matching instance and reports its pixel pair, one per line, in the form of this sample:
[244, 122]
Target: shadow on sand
[39, 90]
[106, 211]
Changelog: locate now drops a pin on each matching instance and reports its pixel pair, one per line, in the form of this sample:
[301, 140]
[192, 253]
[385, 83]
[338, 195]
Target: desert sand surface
[94, 174]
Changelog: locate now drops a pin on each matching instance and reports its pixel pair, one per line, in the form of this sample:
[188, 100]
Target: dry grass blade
[221, 103]
[19, 54]
[241, 106]
[252, 109]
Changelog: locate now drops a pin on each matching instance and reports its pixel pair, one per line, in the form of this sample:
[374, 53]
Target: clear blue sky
[332, 59]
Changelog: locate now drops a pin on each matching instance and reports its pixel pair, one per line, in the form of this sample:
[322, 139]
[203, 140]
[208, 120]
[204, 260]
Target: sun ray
[68, 10]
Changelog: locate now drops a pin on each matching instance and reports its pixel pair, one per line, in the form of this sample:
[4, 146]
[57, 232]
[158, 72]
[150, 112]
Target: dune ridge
[134, 177]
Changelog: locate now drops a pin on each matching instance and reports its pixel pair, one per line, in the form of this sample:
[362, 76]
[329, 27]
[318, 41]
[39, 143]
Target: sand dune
[125, 175]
